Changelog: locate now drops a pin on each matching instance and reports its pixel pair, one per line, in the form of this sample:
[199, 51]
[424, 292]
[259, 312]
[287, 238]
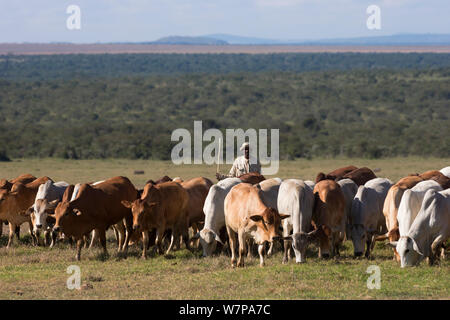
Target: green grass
[28, 272]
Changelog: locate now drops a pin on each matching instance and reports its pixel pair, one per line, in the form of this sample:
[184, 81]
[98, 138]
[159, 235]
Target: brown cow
[23, 178]
[7, 185]
[335, 174]
[391, 205]
[162, 206]
[328, 218]
[97, 207]
[247, 217]
[161, 180]
[197, 189]
[359, 176]
[14, 203]
[252, 177]
[437, 176]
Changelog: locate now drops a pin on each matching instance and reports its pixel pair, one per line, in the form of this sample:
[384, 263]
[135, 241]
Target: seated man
[241, 165]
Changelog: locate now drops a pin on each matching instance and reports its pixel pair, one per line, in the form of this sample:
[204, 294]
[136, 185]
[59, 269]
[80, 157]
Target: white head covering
[244, 145]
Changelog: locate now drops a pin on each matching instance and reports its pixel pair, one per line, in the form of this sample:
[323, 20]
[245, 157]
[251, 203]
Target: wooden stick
[218, 155]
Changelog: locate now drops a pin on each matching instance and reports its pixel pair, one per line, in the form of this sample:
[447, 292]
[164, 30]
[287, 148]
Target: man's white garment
[242, 166]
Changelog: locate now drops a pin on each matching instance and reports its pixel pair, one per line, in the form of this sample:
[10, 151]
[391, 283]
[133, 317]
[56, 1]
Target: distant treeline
[369, 113]
[45, 67]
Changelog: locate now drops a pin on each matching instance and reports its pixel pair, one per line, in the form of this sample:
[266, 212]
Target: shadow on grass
[24, 240]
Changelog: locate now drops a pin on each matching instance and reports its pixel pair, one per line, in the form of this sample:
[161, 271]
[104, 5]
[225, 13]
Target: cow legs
[249, 244]
[186, 239]
[287, 249]
[232, 241]
[172, 239]
[79, 246]
[46, 238]
[17, 232]
[261, 254]
[436, 248]
[336, 242]
[54, 236]
[12, 232]
[158, 240]
[102, 236]
[94, 236]
[241, 238]
[269, 253]
[145, 240]
[119, 230]
[128, 222]
[34, 236]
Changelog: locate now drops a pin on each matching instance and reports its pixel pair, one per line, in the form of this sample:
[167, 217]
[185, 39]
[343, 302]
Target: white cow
[296, 199]
[214, 215]
[446, 171]
[47, 197]
[349, 188]
[428, 232]
[411, 203]
[367, 214]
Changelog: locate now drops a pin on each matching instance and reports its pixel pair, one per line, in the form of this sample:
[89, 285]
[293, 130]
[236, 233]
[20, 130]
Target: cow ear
[284, 216]
[393, 244]
[126, 204]
[29, 211]
[256, 217]
[313, 234]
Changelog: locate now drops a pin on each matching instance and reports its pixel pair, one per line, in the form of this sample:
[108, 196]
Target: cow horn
[416, 247]
[217, 238]
[381, 237]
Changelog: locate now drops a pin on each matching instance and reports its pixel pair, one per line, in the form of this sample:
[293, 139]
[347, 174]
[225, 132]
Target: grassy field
[27, 272]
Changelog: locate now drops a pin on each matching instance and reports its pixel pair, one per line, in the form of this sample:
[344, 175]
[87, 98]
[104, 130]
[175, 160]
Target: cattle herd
[243, 214]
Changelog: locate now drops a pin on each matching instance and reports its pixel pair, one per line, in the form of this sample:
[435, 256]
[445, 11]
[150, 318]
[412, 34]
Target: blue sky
[147, 20]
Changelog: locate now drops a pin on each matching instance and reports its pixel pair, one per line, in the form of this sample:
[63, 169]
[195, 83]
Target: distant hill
[190, 40]
[232, 39]
[396, 39]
